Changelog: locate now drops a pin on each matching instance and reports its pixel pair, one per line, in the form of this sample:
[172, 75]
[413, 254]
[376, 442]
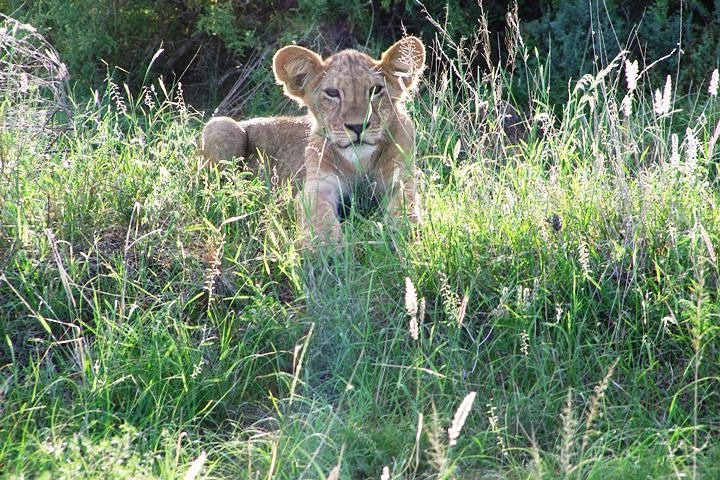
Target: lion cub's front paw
[321, 237]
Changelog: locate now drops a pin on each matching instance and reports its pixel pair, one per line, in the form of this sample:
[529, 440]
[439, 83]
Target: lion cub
[357, 130]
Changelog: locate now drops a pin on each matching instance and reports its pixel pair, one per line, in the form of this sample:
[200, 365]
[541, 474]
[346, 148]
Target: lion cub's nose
[357, 128]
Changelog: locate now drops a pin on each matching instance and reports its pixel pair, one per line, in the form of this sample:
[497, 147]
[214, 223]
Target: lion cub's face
[353, 97]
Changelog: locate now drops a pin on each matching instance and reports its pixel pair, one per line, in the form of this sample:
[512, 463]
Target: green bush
[577, 34]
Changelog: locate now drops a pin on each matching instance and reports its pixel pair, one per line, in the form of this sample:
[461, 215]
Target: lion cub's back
[282, 141]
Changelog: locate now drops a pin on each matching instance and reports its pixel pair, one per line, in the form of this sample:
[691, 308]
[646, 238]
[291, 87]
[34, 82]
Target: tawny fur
[356, 130]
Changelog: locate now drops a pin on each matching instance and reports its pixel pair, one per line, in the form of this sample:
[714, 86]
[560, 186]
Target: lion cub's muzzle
[356, 128]
[357, 134]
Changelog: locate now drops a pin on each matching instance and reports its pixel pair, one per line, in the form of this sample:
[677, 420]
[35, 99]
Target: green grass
[156, 317]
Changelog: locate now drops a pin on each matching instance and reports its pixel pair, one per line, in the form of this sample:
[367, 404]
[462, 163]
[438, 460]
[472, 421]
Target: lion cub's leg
[317, 210]
[223, 139]
[398, 181]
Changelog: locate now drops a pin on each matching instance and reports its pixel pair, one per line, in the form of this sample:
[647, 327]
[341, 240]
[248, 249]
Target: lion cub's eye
[332, 93]
[376, 90]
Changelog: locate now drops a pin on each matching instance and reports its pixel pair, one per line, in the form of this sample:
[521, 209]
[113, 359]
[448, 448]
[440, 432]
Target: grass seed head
[584, 258]
[196, 467]
[411, 301]
[414, 328]
[569, 424]
[713, 88]
[595, 405]
[631, 74]
[626, 105]
[661, 101]
[674, 150]
[460, 417]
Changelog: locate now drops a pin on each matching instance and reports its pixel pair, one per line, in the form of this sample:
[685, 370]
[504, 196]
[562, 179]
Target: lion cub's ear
[294, 68]
[405, 61]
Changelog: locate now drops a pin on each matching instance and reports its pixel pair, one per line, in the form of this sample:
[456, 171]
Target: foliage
[208, 44]
[577, 33]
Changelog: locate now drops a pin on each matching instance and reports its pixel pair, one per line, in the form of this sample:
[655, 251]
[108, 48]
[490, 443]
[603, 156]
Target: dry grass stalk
[462, 310]
[708, 243]
[595, 411]
[691, 149]
[437, 453]
[196, 466]
[334, 473]
[569, 424]
[213, 270]
[713, 140]
[411, 307]
[584, 258]
[33, 80]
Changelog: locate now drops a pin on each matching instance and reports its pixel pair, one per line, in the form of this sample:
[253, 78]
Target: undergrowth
[555, 315]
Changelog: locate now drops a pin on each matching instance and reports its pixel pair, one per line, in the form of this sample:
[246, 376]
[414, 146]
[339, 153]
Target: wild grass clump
[555, 314]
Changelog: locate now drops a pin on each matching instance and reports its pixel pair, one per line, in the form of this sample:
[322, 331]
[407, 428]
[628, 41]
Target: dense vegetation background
[556, 314]
[210, 44]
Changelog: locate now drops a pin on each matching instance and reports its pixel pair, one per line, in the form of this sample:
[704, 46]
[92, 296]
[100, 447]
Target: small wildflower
[713, 88]
[494, 426]
[148, 99]
[385, 474]
[180, 99]
[197, 369]
[631, 74]
[117, 98]
[525, 343]
[460, 417]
